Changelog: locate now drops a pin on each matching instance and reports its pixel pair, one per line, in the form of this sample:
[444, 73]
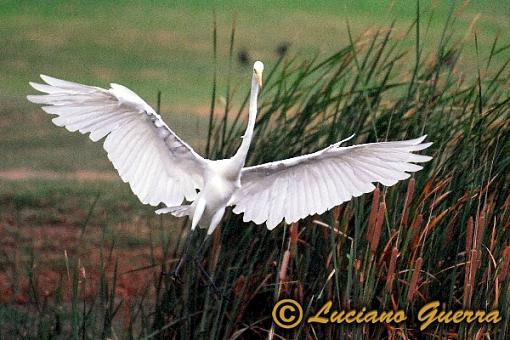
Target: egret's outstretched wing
[294, 188]
[158, 165]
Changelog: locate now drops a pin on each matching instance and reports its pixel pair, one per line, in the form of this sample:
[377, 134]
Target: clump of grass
[441, 236]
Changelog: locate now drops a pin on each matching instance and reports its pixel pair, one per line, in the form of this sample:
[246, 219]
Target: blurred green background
[168, 46]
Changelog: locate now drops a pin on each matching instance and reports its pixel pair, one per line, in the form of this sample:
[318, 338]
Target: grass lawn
[152, 46]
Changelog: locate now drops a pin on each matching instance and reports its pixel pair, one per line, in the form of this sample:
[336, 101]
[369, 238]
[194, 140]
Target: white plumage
[161, 168]
[311, 184]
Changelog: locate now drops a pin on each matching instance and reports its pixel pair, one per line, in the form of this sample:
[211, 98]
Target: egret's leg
[197, 215]
[209, 280]
[175, 273]
[216, 219]
[214, 223]
[197, 259]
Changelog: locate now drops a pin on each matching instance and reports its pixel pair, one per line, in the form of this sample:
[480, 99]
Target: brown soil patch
[82, 175]
[55, 251]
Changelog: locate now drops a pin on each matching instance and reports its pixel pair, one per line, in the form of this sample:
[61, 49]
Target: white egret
[161, 168]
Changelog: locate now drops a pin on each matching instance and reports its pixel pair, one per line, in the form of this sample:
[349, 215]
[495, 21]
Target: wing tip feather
[418, 140]
[31, 98]
[34, 84]
[47, 79]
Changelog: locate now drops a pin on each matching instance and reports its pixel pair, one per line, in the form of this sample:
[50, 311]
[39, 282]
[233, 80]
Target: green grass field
[151, 47]
[80, 257]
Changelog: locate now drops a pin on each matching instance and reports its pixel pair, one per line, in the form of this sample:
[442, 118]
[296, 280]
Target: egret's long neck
[242, 152]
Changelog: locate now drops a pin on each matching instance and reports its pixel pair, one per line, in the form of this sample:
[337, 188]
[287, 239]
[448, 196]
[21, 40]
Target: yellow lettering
[386, 317]
[371, 316]
[459, 316]
[480, 314]
[359, 316]
[337, 317]
[399, 317]
[493, 316]
[427, 314]
[323, 311]
[444, 317]
[349, 317]
[469, 316]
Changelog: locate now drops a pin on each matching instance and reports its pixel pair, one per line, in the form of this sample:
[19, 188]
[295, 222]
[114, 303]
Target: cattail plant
[373, 214]
[407, 202]
[505, 264]
[376, 235]
[283, 269]
[413, 284]
[391, 270]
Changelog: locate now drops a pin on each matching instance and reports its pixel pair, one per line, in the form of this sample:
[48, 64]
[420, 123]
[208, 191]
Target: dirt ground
[23, 173]
[50, 242]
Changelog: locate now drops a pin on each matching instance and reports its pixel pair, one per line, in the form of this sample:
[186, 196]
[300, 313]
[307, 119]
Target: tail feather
[177, 211]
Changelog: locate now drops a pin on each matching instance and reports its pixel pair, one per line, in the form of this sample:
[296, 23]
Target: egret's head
[258, 68]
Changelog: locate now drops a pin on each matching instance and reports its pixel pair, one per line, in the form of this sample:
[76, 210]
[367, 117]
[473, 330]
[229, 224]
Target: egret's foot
[209, 281]
[174, 276]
